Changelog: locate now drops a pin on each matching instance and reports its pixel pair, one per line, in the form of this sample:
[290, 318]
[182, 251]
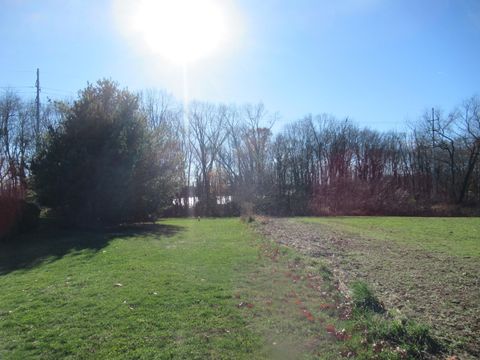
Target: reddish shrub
[16, 215]
[9, 211]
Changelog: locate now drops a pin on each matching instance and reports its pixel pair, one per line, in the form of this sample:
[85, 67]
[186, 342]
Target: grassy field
[177, 289]
[214, 288]
[455, 236]
[426, 268]
[162, 291]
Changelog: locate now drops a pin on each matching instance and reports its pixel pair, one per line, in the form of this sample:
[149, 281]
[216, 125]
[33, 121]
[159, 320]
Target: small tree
[102, 163]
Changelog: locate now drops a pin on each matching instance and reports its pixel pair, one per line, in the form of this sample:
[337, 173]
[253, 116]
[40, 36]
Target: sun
[182, 31]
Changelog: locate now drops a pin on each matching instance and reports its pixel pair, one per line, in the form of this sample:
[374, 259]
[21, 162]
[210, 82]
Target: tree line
[113, 155]
[322, 165]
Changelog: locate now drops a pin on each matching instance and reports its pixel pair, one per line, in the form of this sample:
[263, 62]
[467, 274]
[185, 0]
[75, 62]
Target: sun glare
[181, 31]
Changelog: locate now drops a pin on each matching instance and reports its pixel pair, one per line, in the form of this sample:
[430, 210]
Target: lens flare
[181, 31]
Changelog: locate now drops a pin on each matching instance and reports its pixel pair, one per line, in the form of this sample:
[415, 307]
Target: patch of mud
[436, 289]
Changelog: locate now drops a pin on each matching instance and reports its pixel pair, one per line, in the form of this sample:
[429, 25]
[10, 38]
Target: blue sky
[379, 62]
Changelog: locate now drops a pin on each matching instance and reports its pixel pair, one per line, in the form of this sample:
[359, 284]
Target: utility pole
[37, 114]
[434, 178]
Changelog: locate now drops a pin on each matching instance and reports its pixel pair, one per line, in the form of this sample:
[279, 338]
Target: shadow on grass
[51, 242]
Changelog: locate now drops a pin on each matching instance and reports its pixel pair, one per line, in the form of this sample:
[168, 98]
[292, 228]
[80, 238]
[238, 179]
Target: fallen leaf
[330, 328]
[308, 315]
[326, 306]
[245, 304]
[342, 335]
[378, 347]
[348, 354]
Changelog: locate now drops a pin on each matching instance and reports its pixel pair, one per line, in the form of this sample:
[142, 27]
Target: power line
[17, 87]
[59, 90]
[16, 91]
[23, 90]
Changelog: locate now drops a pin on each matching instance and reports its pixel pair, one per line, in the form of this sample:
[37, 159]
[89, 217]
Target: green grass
[453, 236]
[405, 337]
[294, 305]
[177, 289]
[426, 268]
[175, 298]
[363, 298]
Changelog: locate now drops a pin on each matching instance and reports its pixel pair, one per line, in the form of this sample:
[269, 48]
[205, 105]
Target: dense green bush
[29, 216]
[103, 164]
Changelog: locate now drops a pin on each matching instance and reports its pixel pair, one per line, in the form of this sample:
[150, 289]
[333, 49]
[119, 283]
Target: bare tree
[208, 132]
[469, 114]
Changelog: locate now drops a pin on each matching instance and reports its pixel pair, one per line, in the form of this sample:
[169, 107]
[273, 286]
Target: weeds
[364, 299]
[390, 337]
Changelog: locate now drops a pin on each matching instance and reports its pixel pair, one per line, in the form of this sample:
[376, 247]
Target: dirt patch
[436, 289]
